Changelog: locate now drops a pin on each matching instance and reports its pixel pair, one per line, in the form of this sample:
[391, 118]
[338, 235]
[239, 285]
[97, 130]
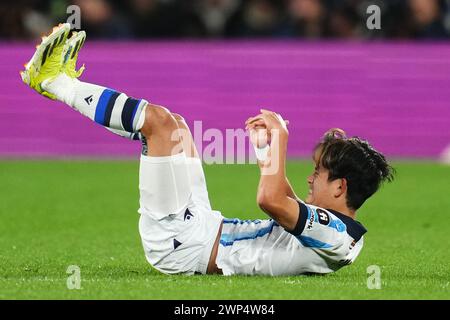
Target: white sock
[105, 106]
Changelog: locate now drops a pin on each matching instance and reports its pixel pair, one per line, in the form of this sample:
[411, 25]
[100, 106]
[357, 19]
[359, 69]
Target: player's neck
[350, 213]
[345, 211]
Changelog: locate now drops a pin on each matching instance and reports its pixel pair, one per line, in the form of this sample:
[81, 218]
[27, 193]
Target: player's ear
[341, 187]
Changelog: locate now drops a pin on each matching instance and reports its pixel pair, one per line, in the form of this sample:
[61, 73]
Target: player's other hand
[268, 120]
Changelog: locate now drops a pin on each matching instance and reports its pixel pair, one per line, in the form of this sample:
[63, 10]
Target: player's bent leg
[178, 234]
[165, 196]
[160, 128]
[194, 163]
[164, 177]
[198, 186]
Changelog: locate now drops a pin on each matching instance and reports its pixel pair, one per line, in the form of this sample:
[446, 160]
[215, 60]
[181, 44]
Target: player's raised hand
[268, 120]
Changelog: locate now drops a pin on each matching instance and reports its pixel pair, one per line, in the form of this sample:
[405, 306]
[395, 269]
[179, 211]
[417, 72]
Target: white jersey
[322, 242]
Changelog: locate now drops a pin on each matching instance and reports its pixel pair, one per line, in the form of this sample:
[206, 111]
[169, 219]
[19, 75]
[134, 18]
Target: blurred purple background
[394, 94]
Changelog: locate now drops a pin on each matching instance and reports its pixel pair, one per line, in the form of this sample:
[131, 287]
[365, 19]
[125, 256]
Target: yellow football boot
[48, 60]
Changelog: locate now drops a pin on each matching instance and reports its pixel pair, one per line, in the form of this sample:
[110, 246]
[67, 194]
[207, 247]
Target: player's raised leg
[172, 220]
[52, 73]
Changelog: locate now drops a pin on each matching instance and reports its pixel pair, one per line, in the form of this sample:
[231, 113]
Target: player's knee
[178, 117]
[158, 117]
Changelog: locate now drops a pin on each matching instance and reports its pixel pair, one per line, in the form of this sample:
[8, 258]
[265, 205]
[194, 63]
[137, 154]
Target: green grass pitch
[59, 213]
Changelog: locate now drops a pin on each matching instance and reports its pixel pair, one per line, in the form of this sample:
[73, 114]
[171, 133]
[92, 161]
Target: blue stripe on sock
[128, 114]
[134, 112]
[110, 107]
[100, 110]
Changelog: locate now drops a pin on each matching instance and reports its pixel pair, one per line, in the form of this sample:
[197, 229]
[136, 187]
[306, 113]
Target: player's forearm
[272, 184]
[290, 191]
[287, 185]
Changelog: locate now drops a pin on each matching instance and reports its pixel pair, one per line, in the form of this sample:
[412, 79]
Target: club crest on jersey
[323, 216]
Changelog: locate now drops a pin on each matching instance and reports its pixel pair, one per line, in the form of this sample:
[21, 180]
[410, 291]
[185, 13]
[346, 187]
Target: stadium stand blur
[309, 19]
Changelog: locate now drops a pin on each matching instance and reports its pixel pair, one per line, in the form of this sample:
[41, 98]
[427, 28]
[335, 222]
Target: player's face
[320, 189]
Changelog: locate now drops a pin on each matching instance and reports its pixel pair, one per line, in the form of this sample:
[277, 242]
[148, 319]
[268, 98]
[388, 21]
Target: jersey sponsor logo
[324, 218]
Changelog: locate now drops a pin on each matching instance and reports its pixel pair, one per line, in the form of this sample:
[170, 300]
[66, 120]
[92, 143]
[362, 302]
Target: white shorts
[177, 226]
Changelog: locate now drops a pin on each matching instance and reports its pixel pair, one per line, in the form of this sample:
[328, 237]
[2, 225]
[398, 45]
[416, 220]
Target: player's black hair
[354, 159]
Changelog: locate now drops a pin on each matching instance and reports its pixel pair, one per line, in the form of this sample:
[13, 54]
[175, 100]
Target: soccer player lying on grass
[180, 232]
